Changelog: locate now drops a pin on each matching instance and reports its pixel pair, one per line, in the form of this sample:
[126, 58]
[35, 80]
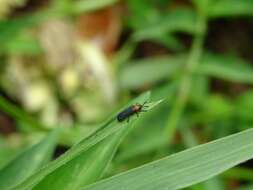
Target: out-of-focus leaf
[218, 107]
[246, 187]
[22, 44]
[214, 183]
[28, 162]
[186, 168]
[203, 6]
[11, 28]
[228, 8]
[151, 70]
[148, 71]
[244, 105]
[72, 135]
[19, 114]
[82, 6]
[200, 89]
[150, 23]
[181, 20]
[239, 173]
[124, 54]
[169, 41]
[7, 153]
[215, 108]
[227, 68]
[142, 13]
[165, 92]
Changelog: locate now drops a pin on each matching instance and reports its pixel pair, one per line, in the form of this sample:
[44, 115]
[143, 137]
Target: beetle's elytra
[131, 110]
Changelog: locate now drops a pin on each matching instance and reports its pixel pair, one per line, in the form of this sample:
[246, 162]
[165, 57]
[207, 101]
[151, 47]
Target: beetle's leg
[128, 119]
[145, 106]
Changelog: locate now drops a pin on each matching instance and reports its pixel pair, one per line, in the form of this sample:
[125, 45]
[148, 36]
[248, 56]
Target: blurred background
[74, 63]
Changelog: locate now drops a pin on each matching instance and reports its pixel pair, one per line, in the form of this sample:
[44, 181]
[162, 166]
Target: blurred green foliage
[51, 78]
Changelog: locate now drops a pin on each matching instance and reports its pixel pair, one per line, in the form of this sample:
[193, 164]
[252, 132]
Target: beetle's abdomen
[125, 113]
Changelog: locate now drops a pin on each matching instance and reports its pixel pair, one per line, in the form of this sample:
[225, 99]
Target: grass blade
[186, 168]
[229, 8]
[141, 72]
[82, 6]
[85, 168]
[110, 127]
[226, 67]
[27, 162]
[89, 165]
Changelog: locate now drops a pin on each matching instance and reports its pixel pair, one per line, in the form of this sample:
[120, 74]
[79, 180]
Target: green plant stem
[186, 78]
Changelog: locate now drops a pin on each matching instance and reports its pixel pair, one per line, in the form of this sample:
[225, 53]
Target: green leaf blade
[186, 168]
[226, 67]
[181, 20]
[141, 72]
[107, 129]
[82, 170]
[91, 5]
[81, 165]
[228, 8]
[28, 162]
[86, 168]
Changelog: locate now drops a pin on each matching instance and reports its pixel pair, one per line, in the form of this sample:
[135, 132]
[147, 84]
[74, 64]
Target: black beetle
[131, 110]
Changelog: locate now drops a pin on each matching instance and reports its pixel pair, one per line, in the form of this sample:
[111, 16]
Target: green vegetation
[69, 67]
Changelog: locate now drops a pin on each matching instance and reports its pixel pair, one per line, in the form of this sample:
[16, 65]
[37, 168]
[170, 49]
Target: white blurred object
[69, 80]
[58, 40]
[49, 113]
[93, 56]
[36, 95]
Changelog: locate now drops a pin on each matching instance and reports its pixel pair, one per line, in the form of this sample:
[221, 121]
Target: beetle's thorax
[137, 108]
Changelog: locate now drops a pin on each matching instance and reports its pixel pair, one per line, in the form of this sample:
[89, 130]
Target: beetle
[131, 110]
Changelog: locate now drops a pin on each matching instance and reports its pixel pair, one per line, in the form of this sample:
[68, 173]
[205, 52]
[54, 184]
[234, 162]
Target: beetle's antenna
[144, 103]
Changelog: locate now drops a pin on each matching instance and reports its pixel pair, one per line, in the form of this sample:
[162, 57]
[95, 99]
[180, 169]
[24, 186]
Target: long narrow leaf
[110, 127]
[27, 162]
[228, 8]
[85, 168]
[226, 67]
[186, 168]
[175, 21]
[82, 6]
[139, 73]
[88, 166]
